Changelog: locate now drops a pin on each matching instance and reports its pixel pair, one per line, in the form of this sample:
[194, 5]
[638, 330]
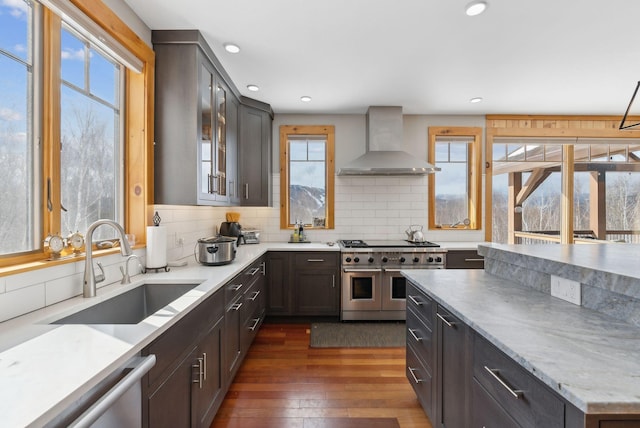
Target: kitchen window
[19, 212]
[63, 109]
[454, 191]
[91, 137]
[307, 176]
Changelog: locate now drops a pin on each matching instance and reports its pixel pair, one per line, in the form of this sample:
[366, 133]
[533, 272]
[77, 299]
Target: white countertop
[44, 368]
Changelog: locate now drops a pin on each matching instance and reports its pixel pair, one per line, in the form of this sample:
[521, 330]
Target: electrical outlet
[566, 289]
[179, 241]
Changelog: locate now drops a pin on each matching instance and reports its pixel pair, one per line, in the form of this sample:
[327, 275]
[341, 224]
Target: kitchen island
[588, 355]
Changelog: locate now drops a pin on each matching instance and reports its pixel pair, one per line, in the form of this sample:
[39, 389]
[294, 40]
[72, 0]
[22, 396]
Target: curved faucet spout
[89, 287]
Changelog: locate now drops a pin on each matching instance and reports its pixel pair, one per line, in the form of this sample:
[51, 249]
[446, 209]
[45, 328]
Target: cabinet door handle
[412, 331]
[255, 295]
[315, 260]
[208, 183]
[415, 301]
[515, 393]
[263, 267]
[246, 190]
[444, 320]
[253, 271]
[413, 375]
[333, 281]
[231, 192]
[204, 363]
[473, 260]
[255, 324]
[236, 306]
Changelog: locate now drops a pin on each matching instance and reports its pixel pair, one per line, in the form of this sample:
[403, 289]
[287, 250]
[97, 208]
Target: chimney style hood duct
[383, 155]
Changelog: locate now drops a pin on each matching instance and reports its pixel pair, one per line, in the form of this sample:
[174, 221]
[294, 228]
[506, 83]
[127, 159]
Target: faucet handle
[100, 277]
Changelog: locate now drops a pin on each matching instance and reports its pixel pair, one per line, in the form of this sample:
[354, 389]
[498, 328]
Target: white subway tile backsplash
[64, 288]
[21, 301]
[26, 279]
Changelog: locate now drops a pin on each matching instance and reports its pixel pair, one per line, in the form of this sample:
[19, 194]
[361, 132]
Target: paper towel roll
[156, 246]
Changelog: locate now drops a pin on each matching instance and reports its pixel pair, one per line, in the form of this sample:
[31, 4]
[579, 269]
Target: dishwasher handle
[107, 400]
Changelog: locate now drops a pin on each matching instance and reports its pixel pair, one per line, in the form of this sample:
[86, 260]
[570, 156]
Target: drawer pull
[516, 393]
[473, 260]
[255, 296]
[236, 306]
[413, 375]
[255, 324]
[235, 287]
[444, 320]
[315, 260]
[253, 271]
[413, 333]
[415, 301]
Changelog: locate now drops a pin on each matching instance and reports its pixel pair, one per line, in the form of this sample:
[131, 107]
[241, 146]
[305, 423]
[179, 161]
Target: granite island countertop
[45, 368]
[590, 359]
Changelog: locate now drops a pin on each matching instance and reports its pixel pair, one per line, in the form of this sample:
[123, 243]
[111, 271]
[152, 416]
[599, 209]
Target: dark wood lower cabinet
[169, 405]
[452, 370]
[198, 357]
[303, 283]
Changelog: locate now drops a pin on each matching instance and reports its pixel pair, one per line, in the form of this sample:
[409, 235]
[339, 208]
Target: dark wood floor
[283, 383]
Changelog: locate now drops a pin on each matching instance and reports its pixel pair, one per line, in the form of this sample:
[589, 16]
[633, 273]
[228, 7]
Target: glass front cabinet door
[213, 184]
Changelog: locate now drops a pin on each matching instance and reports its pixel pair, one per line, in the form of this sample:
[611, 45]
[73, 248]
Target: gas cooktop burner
[359, 243]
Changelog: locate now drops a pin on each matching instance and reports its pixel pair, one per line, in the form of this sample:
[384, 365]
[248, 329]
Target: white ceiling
[535, 57]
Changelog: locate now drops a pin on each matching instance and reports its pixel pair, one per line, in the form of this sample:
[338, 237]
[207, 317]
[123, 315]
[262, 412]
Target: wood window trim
[138, 144]
[285, 131]
[475, 174]
[549, 126]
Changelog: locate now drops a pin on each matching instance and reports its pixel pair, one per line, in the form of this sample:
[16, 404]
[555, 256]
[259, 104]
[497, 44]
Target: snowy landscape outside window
[90, 131]
[308, 177]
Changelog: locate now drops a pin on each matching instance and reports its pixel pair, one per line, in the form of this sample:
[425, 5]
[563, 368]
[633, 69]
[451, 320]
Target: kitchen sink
[130, 307]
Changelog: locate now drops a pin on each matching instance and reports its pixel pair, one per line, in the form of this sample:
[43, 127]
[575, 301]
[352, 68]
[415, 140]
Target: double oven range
[372, 286]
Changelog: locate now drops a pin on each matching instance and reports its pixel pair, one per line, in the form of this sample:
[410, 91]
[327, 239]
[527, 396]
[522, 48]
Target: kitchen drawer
[421, 381]
[464, 259]
[486, 412]
[317, 260]
[242, 282]
[535, 405]
[420, 337]
[420, 304]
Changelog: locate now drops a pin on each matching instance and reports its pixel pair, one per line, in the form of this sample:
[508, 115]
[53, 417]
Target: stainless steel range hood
[384, 141]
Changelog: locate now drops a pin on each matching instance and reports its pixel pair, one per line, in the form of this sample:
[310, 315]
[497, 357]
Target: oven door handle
[361, 270]
[392, 270]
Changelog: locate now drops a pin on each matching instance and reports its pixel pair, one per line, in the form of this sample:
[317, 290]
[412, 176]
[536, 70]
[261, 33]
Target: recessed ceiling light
[231, 48]
[475, 100]
[253, 88]
[475, 8]
[305, 98]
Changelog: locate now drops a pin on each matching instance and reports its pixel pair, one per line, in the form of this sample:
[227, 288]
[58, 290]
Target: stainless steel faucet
[90, 279]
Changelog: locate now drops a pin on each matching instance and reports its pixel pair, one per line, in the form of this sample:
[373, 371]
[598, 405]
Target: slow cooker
[215, 251]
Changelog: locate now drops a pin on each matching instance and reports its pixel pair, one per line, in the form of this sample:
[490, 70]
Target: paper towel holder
[156, 223]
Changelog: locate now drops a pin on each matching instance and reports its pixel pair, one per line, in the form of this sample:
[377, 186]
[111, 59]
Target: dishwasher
[114, 402]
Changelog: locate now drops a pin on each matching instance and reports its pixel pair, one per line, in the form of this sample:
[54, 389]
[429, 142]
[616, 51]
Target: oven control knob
[416, 259]
[370, 259]
[356, 259]
[430, 259]
[438, 259]
[348, 260]
[402, 259]
[384, 260]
